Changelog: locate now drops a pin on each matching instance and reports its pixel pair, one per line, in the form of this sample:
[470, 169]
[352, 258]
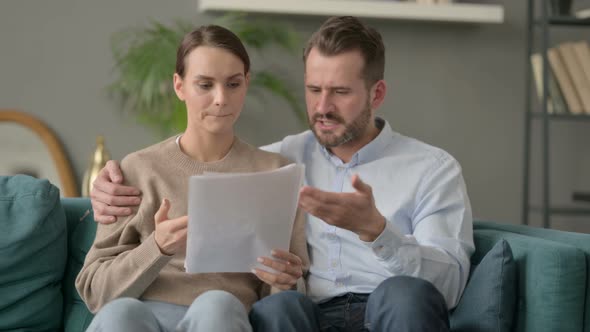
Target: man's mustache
[328, 116]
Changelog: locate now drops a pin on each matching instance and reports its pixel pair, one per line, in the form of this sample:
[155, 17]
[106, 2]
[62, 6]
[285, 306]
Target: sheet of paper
[235, 218]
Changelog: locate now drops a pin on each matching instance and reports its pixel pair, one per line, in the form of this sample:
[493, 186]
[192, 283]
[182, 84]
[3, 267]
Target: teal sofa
[553, 288]
[37, 289]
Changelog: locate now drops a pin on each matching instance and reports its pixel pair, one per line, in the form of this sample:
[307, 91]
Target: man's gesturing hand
[109, 197]
[170, 234]
[354, 211]
[288, 266]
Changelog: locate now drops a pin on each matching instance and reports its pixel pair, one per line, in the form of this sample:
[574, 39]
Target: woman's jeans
[211, 311]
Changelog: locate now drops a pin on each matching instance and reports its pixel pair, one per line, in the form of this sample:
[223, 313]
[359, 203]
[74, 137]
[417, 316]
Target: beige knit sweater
[125, 261]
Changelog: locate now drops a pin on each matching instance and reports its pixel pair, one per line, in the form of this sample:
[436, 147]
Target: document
[235, 218]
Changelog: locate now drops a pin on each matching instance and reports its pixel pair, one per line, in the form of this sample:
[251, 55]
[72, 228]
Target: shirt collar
[371, 151]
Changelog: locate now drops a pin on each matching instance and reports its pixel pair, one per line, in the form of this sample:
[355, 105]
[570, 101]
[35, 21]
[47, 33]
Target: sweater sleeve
[124, 259]
[119, 264]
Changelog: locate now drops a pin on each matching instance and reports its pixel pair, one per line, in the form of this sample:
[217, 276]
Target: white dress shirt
[421, 193]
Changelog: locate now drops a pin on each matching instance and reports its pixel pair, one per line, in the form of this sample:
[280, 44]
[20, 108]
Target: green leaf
[270, 82]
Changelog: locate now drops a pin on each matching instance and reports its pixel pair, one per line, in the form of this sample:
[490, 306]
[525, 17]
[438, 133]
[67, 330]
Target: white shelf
[389, 9]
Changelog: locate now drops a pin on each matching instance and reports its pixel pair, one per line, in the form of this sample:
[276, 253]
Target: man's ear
[178, 84]
[377, 94]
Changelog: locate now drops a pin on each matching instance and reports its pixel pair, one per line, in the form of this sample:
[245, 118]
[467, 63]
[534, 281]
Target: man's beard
[352, 131]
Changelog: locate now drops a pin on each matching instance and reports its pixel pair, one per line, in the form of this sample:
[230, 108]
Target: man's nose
[324, 103]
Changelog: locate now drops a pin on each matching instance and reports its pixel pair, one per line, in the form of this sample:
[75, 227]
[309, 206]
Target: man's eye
[233, 84]
[313, 90]
[205, 86]
[342, 92]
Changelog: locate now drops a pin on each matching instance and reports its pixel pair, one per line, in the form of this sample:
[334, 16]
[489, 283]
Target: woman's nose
[220, 97]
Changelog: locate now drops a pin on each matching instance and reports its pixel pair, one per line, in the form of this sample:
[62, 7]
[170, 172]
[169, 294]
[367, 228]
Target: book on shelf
[583, 13]
[559, 7]
[555, 102]
[581, 196]
[566, 85]
[573, 66]
[582, 52]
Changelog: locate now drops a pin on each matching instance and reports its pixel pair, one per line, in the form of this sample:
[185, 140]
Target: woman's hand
[288, 269]
[170, 234]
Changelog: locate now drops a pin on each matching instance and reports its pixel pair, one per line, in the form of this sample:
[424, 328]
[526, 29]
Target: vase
[97, 162]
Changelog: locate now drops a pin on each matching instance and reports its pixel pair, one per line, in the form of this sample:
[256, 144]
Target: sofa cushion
[33, 252]
[551, 280]
[488, 301]
[578, 240]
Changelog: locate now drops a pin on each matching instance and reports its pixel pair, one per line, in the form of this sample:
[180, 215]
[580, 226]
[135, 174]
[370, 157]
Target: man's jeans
[211, 311]
[344, 313]
[398, 304]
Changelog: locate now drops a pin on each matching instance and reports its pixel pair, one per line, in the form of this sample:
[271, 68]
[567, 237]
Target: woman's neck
[206, 147]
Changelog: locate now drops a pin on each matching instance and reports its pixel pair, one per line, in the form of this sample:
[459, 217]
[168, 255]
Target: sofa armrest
[81, 232]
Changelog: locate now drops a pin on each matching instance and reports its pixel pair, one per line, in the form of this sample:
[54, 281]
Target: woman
[135, 268]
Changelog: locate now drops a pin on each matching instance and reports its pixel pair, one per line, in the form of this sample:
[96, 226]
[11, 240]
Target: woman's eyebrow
[205, 77]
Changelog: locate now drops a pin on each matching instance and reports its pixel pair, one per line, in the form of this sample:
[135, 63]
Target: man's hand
[170, 234]
[354, 211]
[109, 198]
[288, 266]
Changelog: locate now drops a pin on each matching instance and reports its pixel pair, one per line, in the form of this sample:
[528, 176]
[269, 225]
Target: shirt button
[339, 284]
[334, 264]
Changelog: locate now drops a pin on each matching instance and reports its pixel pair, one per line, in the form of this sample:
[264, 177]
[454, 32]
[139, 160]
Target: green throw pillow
[33, 251]
[489, 299]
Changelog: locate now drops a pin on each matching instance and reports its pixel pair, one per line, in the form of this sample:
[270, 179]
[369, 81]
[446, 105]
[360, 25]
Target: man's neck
[345, 151]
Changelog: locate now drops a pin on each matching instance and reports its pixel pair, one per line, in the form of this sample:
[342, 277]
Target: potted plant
[145, 60]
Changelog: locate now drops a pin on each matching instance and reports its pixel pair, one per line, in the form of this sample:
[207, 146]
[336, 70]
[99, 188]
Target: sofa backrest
[33, 254]
[81, 232]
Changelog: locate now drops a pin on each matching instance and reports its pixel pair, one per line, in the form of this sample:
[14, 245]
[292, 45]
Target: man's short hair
[347, 33]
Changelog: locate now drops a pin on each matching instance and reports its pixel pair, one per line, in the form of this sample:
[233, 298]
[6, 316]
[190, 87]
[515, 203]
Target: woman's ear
[178, 86]
[247, 79]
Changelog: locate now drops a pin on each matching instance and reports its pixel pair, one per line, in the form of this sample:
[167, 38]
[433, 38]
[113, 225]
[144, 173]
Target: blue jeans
[211, 311]
[397, 304]
[344, 313]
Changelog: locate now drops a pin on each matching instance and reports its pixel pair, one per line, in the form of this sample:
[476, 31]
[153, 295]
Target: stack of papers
[235, 218]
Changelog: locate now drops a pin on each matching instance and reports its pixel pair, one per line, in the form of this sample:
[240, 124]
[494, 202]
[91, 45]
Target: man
[389, 225]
